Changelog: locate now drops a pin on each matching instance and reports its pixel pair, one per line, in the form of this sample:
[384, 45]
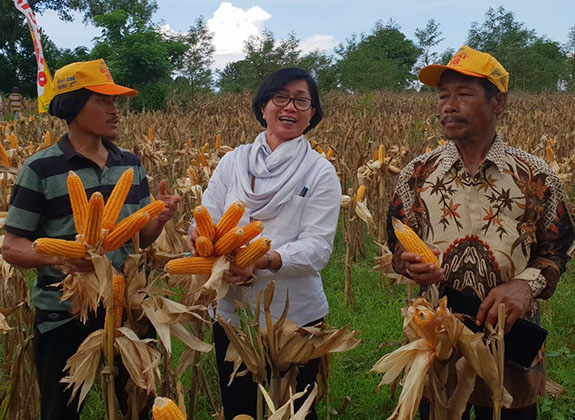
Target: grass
[376, 313]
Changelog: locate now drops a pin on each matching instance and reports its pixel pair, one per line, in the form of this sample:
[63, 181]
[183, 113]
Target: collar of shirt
[495, 155]
[115, 153]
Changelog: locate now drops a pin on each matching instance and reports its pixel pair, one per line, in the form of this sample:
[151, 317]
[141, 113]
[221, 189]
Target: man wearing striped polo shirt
[40, 207]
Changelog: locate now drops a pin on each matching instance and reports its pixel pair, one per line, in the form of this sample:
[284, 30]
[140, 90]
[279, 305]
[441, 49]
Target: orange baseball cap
[92, 75]
[471, 63]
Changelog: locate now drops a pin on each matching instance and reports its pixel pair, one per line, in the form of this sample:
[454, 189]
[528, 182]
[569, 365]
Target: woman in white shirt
[296, 194]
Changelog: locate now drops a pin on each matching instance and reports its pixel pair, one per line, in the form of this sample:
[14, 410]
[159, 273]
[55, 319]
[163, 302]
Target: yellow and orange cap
[92, 75]
[471, 63]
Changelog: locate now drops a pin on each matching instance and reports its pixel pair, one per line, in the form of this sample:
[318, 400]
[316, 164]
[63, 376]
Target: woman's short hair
[67, 106]
[275, 82]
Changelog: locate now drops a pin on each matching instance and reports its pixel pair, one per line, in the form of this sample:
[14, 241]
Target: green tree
[534, 63]
[427, 38]
[138, 56]
[570, 60]
[199, 57]
[382, 60]
[264, 55]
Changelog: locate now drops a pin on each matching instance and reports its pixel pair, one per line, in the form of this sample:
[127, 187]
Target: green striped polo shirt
[40, 207]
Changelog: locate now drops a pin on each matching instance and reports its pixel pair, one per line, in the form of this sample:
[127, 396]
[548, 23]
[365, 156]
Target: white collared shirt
[302, 233]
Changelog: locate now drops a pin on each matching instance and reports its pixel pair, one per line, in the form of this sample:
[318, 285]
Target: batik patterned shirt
[508, 221]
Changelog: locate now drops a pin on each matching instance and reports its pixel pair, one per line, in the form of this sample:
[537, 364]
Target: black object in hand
[522, 343]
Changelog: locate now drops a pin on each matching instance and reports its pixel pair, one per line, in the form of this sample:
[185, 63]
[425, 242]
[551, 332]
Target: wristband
[269, 261]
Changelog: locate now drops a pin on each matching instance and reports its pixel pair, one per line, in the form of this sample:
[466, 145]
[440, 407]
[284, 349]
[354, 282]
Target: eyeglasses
[301, 104]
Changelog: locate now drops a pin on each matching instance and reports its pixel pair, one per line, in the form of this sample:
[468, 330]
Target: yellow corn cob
[424, 317]
[193, 175]
[13, 141]
[549, 152]
[380, 153]
[251, 231]
[412, 243]
[191, 265]
[154, 208]
[117, 198]
[78, 201]
[204, 222]
[329, 153]
[205, 148]
[203, 161]
[427, 149]
[47, 140]
[195, 162]
[189, 143]
[319, 149]
[230, 241]
[93, 229]
[204, 246]
[4, 158]
[166, 409]
[60, 247]
[230, 219]
[313, 144]
[150, 135]
[124, 230]
[218, 140]
[375, 154]
[360, 193]
[119, 287]
[551, 141]
[252, 252]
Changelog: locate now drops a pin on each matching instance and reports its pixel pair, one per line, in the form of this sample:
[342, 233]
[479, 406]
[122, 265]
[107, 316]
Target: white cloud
[232, 26]
[317, 42]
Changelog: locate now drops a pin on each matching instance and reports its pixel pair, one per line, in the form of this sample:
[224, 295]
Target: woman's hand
[423, 274]
[239, 276]
[191, 241]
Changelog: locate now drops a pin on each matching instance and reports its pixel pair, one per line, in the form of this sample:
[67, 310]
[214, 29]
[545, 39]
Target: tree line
[161, 64]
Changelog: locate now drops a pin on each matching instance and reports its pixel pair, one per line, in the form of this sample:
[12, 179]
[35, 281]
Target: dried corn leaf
[83, 366]
[141, 360]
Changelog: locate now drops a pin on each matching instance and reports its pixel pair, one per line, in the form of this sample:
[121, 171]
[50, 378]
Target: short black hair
[67, 106]
[275, 82]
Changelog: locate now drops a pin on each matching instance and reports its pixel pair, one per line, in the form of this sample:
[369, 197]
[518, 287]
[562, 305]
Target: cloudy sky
[323, 24]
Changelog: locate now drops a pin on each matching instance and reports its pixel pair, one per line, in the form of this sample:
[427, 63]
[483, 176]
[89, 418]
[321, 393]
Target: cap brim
[430, 75]
[112, 90]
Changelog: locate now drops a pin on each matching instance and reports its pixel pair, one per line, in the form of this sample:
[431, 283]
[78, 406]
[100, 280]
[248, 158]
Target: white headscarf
[285, 166]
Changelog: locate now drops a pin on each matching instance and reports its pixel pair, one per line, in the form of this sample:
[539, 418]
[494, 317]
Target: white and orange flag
[43, 78]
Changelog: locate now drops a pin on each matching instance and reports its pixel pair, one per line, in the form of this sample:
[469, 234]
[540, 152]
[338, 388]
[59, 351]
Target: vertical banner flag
[43, 78]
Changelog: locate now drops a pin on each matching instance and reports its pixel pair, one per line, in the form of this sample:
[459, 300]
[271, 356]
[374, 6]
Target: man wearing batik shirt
[496, 214]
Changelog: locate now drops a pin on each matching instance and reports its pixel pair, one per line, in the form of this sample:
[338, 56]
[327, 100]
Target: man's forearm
[18, 251]
[150, 232]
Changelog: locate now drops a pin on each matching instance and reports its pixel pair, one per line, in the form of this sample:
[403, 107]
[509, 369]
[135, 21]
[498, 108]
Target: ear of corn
[60, 247]
[154, 208]
[204, 246]
[47, 141]
[230, 241]
[4, 158]
[191, 265]
[218, 140]
[380, 153]
[93, 228]
[360, 193]
[251, 231]
[117, 198]
[204, 222]
[166, 409]
[119, 287]
[230, 219]
[412, 243]
[329, 153]
[124, 230]
[205, 147]
[13, 141]
[252, 252]
[78, 201]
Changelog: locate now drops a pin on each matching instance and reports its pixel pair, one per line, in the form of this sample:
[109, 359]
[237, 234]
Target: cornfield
[368, 138]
